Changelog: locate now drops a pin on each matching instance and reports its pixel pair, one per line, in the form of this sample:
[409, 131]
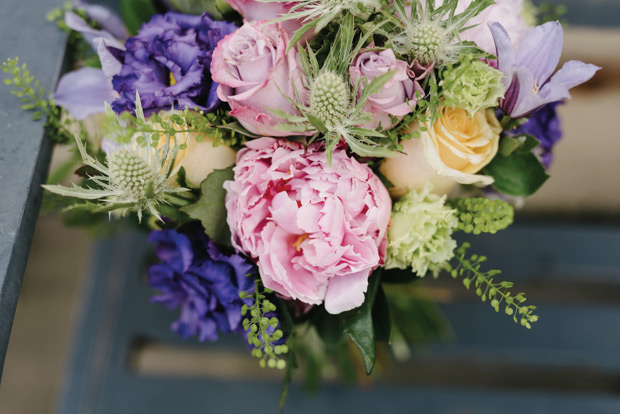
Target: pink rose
[398, 95]
[506, 12]
[253, 71]
[317, 232]
[257, 11]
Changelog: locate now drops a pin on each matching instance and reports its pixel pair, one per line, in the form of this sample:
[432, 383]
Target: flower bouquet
[293, 158]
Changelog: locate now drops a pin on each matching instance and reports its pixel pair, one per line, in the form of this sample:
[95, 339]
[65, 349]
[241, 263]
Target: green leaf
[517, 174]
[329, 328]
[399, 276]
[136, 12]
[528, 143]
[507, 146]
[358, 324]
[381, 318]
[317, 123]
[210, 208]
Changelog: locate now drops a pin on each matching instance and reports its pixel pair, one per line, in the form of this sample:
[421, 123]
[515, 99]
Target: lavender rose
[168, 62]
[397, 97]
[254, 71]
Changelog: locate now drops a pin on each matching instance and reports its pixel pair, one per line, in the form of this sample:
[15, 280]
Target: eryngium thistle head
[132, 174]
[330, 98]
[427, 42]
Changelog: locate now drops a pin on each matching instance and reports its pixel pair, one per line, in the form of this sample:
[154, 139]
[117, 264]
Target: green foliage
[210, 208]
[257, 325]
[416, 318]
[498, 294]
[482, 215]
[34, 98]
[136, 12]
[549, 12]
[218, 125]
[519, 174]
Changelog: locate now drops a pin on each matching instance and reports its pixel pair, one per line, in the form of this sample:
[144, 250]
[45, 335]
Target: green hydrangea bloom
[420, 234]
[472, 85]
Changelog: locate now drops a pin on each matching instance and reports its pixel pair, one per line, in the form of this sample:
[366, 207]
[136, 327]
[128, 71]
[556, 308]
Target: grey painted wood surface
[24, 152]
[568, 363]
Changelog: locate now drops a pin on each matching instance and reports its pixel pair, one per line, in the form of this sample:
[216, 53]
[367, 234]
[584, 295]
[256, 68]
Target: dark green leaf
[210, 208]
[357, 323]
[381, 319]
[517, 174]
[528, 143]
[399, 276]
[329, 329]
[136, 12]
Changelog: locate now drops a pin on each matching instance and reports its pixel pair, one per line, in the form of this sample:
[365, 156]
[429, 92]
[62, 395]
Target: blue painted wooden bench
[568, 363]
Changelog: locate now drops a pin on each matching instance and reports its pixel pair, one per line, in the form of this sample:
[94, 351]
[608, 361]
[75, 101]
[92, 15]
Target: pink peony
[316, 231]
[398, 95]
[257, 11]
[253, 71]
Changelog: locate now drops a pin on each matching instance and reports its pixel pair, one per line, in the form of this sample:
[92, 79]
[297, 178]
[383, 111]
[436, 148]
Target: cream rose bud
[200, 159]
[450, 151]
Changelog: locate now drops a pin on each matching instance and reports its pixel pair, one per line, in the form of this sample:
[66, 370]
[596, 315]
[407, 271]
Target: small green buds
[482, 215]
[330, 98]
[262, 328]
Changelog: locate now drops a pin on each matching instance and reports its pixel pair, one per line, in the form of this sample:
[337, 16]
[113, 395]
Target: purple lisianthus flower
[205, 283]
[168, 63]
[529, 84]
[546, 127]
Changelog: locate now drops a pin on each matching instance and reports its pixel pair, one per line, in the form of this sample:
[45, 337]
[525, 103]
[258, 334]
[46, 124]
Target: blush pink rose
[507, 12]
[253, 71]
[258, 11]
[398, 95]
[317, 232]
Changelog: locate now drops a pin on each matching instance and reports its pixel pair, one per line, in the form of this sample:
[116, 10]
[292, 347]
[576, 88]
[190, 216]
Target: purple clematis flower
[196, 276]
[545, 126]
[529, 84]
[168, 63]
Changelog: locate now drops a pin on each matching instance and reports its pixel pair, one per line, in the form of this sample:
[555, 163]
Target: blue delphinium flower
[195, 276]
[529, 84]
[545, 126]
[168, 63]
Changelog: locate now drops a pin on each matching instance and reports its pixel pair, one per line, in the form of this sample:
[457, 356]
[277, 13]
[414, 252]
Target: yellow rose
[450, 151]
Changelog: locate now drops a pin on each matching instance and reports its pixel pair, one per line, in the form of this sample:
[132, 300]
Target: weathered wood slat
[24, 153]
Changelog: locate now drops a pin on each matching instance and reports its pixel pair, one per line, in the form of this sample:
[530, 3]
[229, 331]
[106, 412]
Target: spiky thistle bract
[135, 176]
[335, 108]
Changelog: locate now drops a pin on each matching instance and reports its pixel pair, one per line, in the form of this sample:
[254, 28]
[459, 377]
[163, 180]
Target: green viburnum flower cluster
[420, 234]
[481, 215]
[472, 85]
[263, 331]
